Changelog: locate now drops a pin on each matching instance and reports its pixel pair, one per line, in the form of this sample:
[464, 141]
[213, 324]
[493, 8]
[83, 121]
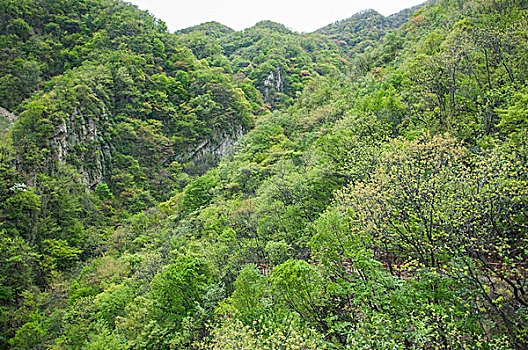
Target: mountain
[360, 187]
[269, 56]
[213, 29]
[109, 82]
[364, 29]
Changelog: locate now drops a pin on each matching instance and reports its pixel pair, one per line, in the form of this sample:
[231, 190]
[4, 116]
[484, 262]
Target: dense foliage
[361, 187]
[276, 60]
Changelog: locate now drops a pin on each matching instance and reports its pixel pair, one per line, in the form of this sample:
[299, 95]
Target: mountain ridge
[398, 17]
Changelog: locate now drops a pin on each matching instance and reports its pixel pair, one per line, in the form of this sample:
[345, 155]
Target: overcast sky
[299, 15]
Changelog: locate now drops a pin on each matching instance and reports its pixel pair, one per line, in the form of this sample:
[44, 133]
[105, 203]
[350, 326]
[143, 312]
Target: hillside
[365, 29]
[361, 187]
[278, 61]
[213, 29]
[110, 90]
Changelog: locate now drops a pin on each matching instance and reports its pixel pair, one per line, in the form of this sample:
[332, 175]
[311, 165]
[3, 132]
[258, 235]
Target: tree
[179, 289]
[443, 217]
[248, 302]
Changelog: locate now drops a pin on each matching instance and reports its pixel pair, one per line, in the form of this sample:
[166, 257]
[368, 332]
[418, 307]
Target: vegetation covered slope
[364, 29]
[384, 209]
[277, 60]
[106, 78]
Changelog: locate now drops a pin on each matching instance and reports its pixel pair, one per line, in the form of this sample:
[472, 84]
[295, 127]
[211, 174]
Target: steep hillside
[374, 202]
[278, 61]
[113, 89]
[274, 59]
[364, 29]
[114, 114]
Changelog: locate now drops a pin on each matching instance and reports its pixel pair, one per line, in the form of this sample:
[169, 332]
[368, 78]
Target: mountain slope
[275, 60]
[111, 71]
[364, 29]
[383, 206]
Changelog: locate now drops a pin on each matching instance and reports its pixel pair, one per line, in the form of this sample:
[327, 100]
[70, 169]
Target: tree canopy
[364, 186]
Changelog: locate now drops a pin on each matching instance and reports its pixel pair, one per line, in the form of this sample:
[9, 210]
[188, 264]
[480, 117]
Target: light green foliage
[31, 334]
[278, 252]
[178, 288]
[459, 86]
[421, 213]
[287, 334]
[249, 300]
[103, 192]
[198, 193]
[513, 119]
[300, 287]
[103, 339]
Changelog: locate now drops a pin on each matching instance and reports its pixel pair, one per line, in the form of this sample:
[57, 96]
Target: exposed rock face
[215, 148]
[10, 116]
[272, 83]
[82, 142]
[79, 141]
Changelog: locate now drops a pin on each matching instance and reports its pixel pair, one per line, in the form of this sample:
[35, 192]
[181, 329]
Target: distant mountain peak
[361, 18]
[274, 26]
[355, 33]
[211, 28]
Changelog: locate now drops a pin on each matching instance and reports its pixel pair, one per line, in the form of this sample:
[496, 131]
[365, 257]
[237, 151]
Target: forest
[361, 187]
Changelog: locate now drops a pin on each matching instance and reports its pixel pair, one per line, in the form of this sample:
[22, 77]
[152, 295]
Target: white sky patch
[299, 15]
